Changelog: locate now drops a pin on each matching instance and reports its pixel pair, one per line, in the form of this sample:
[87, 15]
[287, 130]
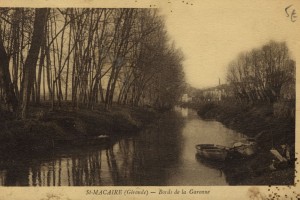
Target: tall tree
[32, 57]
[260, 74]
[5, 80]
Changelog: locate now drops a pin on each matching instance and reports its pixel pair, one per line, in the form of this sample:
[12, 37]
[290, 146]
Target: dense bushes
[284, 109]
[219, 110]
[206, 109]
[276, 121]
[38, 133]
[16, 134]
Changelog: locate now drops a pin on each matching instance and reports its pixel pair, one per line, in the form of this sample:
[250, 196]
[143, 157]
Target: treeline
[87, 56]
[265, 74]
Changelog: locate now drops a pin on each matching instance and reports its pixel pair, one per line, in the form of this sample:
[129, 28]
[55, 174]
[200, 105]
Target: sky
[212, 34]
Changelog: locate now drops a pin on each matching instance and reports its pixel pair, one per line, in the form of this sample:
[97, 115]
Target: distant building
[217, 93]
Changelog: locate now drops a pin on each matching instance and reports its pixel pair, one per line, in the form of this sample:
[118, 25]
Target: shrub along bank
[43, 127]
[275, 125]
[276, 128]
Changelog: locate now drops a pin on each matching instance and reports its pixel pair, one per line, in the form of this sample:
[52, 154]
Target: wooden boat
[212, 151]
[248, 147]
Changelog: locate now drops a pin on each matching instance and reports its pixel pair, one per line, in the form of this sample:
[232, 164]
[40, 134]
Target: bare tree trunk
[41, 64]
[31, 60]
[44, 83]
[5, 79]
[16, 56]
[68, 66]
[101, 91]
[53, 96]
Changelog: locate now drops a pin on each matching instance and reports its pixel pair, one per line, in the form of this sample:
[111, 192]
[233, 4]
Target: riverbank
[274, 130]
[43, 128]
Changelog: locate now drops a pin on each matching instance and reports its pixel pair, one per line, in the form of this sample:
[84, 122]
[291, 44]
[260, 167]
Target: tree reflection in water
[142, 159]
[161, 154]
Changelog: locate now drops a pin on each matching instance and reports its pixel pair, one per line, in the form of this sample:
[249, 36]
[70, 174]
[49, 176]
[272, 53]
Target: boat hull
[212, 152]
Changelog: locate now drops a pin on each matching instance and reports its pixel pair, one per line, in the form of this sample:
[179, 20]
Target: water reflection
[162, 154]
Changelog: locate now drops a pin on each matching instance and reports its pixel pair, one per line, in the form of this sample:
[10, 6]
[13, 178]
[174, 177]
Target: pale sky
[212, 34]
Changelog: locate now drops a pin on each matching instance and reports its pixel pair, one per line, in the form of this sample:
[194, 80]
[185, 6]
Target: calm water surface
[162, 154]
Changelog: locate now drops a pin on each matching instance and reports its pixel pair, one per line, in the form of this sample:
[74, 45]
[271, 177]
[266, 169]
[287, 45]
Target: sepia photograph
[182, 96]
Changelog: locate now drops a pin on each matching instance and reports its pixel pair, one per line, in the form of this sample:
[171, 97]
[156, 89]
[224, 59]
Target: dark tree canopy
[261, 74]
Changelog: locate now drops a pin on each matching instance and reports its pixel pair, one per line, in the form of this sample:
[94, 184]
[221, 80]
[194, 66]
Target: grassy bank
[276, 127]
[44, 127]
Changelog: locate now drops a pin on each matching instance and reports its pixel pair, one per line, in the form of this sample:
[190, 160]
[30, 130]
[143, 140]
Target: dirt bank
[274, 131]
[44, 127]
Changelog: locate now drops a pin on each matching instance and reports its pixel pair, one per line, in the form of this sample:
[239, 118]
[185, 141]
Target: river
[161, 154]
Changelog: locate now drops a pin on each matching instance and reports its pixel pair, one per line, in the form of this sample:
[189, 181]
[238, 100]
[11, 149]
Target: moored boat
[212, 151]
